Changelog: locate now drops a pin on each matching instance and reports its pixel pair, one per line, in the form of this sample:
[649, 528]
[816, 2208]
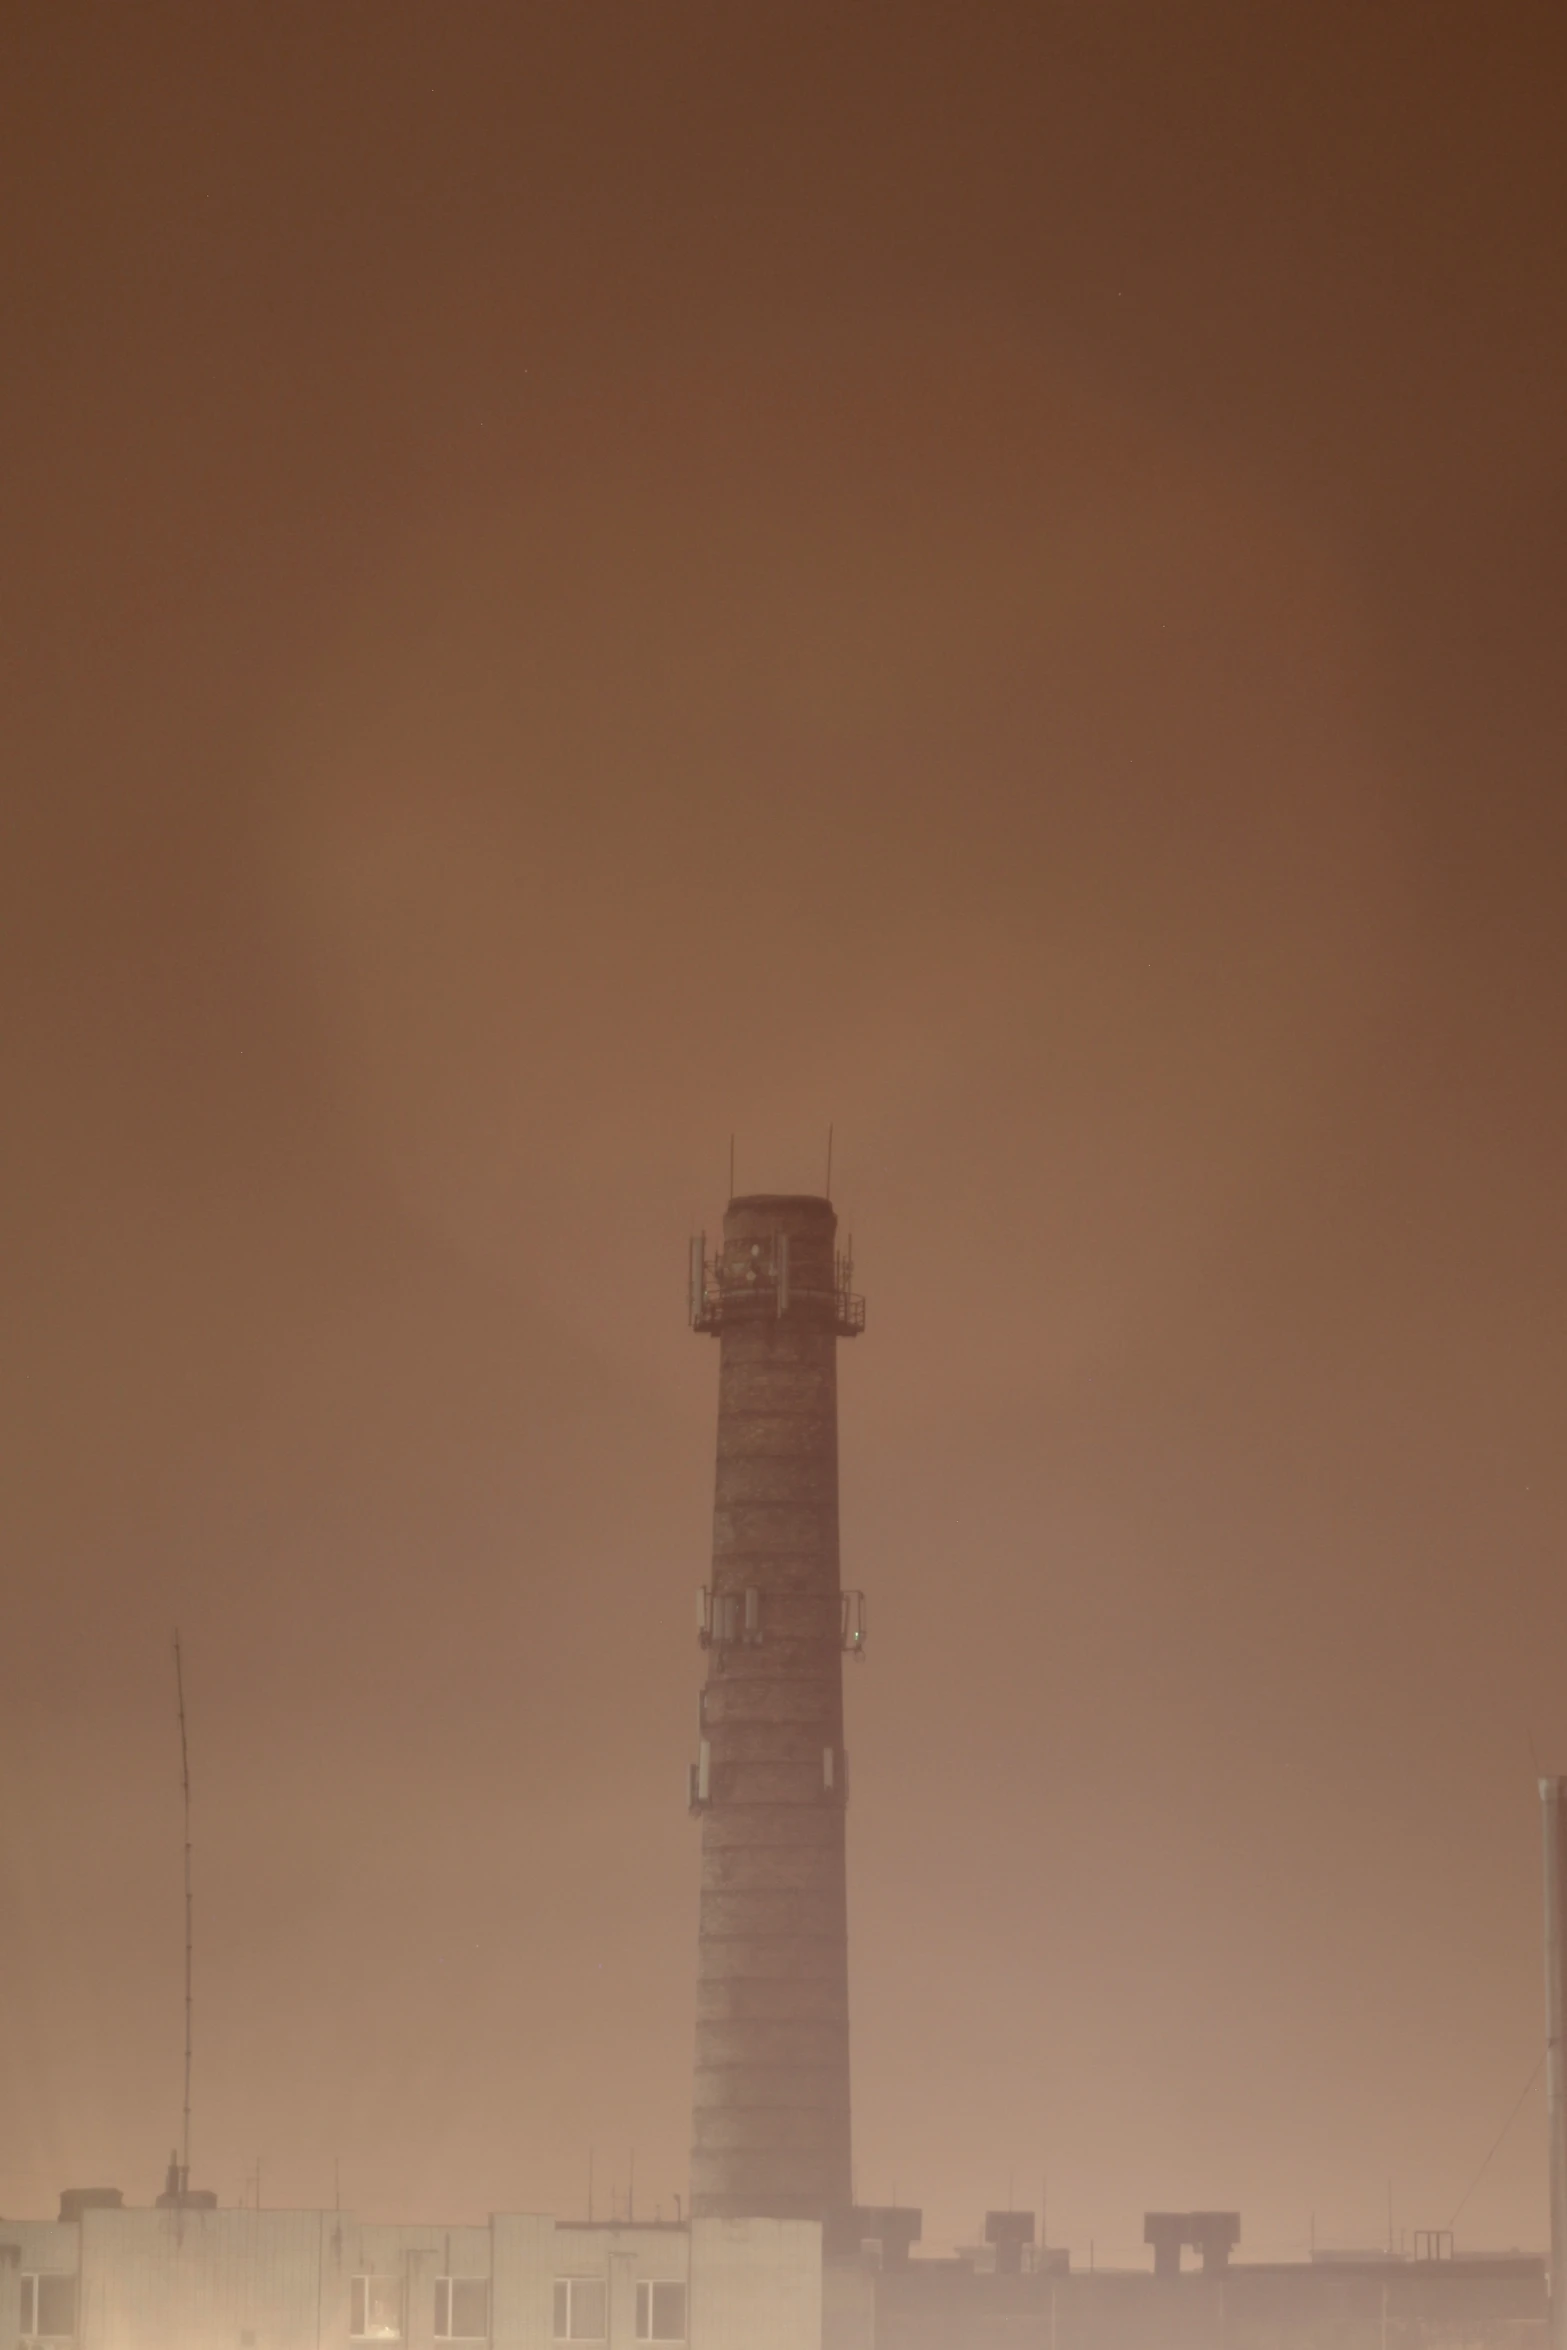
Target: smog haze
[580, 583]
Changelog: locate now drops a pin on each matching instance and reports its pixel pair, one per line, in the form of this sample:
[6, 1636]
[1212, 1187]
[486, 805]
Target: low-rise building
[186, 2276]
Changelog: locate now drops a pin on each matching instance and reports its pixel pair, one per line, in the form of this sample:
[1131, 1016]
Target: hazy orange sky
[581, 580]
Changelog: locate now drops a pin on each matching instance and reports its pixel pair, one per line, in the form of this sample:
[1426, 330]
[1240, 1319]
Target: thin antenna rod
[731, 1166]
[829, 1163]
[179, 1692]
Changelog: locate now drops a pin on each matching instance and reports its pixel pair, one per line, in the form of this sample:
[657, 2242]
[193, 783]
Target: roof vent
[179, 2195]
[75, 2200]
[1009, 2231]
[1214, 2233]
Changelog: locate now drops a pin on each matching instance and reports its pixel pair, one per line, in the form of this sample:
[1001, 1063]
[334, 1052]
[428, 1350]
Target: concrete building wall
[31, 2248]
[52, 2246]
[10, 2291]
[756, 2284]
[340, 2262]
[278, 2280]
[201, 2280]
[522, 2269]
[1438, 2305]
[422, 2264]
[41, 2248]
[243, 2280]
[848, 2306]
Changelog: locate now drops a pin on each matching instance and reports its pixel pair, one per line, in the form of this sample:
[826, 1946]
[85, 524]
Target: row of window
[462, 2309]
[582, 2310]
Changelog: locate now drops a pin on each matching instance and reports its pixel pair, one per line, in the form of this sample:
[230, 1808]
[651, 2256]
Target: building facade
[202, 2279]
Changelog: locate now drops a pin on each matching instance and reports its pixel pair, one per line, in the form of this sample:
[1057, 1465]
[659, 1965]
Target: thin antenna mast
[179, 1692]
[828, 1193]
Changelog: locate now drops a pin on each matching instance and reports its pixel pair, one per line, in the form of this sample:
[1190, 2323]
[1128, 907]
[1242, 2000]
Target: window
[376, 2311]
[462, 2309]
[581, 2309]
[48, 2305]
[661, 2313]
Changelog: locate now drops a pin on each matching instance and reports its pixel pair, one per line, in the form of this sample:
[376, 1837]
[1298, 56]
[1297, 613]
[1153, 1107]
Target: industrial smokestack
[770, 2121]
[1553, 1807]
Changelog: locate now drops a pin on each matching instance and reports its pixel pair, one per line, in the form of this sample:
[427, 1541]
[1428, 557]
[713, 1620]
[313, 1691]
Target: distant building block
[890, 2227]
[1009, 2231]
[1214, 2234]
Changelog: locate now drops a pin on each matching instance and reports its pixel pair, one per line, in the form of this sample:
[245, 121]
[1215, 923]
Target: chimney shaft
[770, 2122]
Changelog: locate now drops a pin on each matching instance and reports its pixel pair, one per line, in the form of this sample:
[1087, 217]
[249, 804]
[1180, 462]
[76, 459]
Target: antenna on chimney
[179, 1692]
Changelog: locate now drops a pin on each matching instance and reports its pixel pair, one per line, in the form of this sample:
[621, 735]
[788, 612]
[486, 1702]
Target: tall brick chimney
[770, 2124]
